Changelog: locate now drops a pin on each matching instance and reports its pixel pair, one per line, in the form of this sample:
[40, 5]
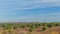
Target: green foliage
[28, 25]
[57, 24]
[45, 24]
[37, 24]
[31, 29]
[44, 28]
[23, 25]
[10, 31]
[52, 24]
[14, 27]
[32, 26]
[20, 26]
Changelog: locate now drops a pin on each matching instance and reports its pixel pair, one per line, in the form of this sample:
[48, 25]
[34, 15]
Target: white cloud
[28, 4]
[40, 18]
[14, 5]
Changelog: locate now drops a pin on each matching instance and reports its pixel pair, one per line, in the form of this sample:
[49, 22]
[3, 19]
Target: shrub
[23, 25]
[44, 28]
[31, 29]
[10, 31]
[37, 24]
[52, 24]
[45, 24]
[14, 27]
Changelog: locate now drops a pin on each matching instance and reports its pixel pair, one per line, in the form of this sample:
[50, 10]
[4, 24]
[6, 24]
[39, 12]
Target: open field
[30, 28]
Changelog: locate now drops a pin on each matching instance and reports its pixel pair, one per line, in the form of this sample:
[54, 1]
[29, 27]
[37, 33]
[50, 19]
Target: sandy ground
[52, 30]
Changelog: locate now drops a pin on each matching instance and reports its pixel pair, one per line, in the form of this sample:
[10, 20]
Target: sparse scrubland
[30, 28]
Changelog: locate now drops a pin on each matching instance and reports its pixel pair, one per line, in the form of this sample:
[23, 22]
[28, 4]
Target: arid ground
[9, 29]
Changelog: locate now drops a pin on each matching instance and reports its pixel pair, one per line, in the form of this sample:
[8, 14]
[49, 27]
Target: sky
[29, 10]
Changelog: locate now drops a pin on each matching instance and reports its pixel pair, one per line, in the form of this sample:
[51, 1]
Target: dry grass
[53, 30]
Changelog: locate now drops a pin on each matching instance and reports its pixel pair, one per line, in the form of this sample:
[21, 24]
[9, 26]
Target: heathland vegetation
[13, 28]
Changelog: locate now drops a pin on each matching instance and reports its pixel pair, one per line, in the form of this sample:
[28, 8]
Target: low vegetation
[31, 26]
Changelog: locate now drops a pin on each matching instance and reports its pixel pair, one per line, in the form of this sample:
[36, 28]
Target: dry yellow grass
[54, 32]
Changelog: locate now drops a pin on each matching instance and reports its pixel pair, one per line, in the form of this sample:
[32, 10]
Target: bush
[31, 29]
[44, 28]
[10, 31]
[52, 24]
[23, 25]
[14, 27]
[45, 24]
[37, 24]
[57, 24]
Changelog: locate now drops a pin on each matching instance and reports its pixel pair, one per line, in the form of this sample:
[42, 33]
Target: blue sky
[29, 10]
